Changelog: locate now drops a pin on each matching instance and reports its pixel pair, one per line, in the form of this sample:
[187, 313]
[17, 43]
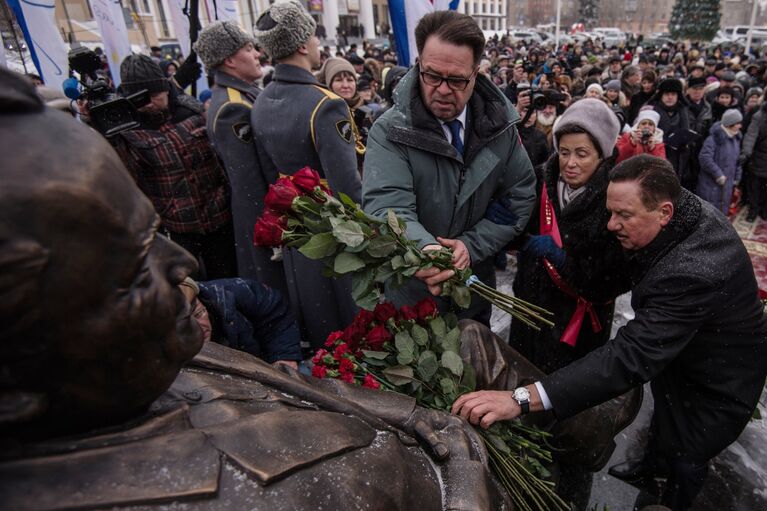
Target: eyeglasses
[455, 83]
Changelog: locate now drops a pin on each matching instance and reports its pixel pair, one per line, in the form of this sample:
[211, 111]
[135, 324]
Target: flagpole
[72, 37]
[559, 18]
[7, 15]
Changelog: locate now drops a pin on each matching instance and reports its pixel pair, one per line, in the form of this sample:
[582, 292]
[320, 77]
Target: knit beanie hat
[283, 28]
[613, 85]
[649, 115]
[754, 91]
[332, 67]
[219, 41]
[731, 116]
[596, 118]
[597, 87]
[139, 72]
[670, 85]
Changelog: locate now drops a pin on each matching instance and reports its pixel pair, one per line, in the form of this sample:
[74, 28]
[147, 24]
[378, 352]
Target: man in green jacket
[445, 151]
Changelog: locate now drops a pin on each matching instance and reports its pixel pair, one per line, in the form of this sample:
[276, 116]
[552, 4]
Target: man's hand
[485, 407]
[461, 257]
[721, 180]
[523, 100]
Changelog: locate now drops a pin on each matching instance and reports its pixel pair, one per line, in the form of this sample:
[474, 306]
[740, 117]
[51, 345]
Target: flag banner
[181, 27]
[405, 15]
[114, 33]
[223, 10]
[37, 19]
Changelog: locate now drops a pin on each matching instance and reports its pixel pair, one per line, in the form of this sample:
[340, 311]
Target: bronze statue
[108, 397]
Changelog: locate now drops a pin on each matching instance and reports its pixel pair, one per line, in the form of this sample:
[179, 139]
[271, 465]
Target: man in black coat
[699, 334]
[675, 123]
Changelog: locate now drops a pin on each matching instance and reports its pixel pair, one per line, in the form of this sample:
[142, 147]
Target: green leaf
[438, 328]
[397, 262]
[399, 375]
[448, 387]
[461, 296]
[410, 271]
[405, 357]
[392, 221]
[369, 300]
[438, 402]
[362, 283]
[384, 273]
[452, 341]
[381, 246]
[453, 362]
[427, 365]
[346, 262]
[349, 232]
[404, 343]
[376, 363]
[375, 355]
[497, 442]
[347, 201]
[359, 248]
[450, 320]
[319, 246]
[412, 259]
[469, 378]
[420, 335]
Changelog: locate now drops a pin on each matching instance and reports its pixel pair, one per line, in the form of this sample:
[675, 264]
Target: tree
[695, 19]
[589, 13]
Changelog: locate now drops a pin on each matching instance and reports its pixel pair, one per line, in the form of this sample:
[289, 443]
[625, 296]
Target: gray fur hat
[596, 118]
[219, 41]
[731, 117]
[283, 28]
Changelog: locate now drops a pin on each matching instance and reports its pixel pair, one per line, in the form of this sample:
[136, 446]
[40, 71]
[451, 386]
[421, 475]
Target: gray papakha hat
[283, 28]
[219, 41]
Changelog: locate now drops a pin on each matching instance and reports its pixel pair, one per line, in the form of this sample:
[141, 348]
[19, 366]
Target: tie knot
[455, 133]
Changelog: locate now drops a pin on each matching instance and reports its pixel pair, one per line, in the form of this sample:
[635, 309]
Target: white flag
[114, 33]
[224, 10]
[181, 28]
[49, 52]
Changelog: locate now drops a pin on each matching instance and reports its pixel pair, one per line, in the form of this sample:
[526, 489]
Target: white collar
[461, 117]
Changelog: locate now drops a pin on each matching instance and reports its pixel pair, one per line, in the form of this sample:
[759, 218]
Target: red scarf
[549, 227]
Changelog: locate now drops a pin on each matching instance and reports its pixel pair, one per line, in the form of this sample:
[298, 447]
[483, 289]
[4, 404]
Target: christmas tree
[589, 13]
[695, 19]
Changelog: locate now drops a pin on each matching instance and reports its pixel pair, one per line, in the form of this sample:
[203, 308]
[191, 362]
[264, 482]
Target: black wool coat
[699, 335]
[595, 267]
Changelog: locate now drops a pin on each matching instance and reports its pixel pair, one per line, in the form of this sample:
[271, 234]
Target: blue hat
[205, 95]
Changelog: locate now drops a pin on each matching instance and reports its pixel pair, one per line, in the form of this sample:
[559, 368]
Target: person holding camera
[644, 138]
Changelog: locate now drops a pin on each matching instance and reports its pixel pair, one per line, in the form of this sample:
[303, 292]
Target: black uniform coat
[298, 123]
[595, 267]
[231, 134]
[699, 334]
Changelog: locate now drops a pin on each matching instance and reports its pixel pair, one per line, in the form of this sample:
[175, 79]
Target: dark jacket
[595, 267]
[675, 123]
[535, 143]
[297, 123]
[249, 316]
[719, 157]
[699, 335]
[413, 170]
[754, 147]
[637, 101]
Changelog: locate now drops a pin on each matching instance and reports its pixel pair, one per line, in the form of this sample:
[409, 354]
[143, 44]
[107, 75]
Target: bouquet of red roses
[302, 213]
[415, 351]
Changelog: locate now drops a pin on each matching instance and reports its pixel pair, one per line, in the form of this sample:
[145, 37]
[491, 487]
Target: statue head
[93, 327]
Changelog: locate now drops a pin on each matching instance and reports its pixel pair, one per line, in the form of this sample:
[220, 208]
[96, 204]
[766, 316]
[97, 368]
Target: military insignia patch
[243, 131]
[344, 128]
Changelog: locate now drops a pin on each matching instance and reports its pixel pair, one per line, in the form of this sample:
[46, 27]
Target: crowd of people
[607, 169]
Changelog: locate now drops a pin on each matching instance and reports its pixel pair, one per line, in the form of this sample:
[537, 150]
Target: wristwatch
[522, 396]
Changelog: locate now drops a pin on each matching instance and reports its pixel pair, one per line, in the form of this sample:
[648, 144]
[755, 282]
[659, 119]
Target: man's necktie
[455, 131]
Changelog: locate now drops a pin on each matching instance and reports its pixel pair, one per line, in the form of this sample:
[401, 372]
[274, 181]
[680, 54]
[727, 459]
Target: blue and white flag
[405, 15]
[223, 10]
[114, 33]
[37, 19]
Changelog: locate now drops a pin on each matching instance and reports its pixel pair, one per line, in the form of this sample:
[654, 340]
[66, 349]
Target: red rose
[333, 337]
[426, 308]
[364, 318]
[377, 337]
[347, 377]
[319, 371]
[268, 229]
[408, 313]
[370, 382]
[384, 311]
[281, 195]
[319, 356]
[306, 179]
[354, 334]
[346, 366]
[341, 350]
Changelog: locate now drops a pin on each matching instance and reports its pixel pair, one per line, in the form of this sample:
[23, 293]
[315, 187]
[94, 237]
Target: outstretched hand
[485, 407]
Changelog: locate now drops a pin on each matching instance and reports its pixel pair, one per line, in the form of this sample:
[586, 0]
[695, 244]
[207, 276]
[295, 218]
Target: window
[144, 7]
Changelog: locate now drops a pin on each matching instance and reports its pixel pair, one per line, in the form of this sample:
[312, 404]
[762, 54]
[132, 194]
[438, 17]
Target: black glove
[742, 159]
[499, 212]
[544, 246]
[188, 72]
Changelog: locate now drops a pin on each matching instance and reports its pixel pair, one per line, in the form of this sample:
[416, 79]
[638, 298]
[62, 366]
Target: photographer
[644, 138]
[171, 158]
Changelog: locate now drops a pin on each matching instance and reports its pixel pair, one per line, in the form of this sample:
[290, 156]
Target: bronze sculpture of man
[104, 399]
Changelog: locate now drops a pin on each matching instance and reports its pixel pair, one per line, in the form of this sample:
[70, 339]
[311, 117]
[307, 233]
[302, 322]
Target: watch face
[522, 394]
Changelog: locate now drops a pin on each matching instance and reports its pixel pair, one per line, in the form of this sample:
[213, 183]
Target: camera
[646, 136]
[109, 113]
[540, 98]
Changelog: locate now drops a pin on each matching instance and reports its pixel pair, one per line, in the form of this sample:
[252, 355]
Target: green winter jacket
[411, 168]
